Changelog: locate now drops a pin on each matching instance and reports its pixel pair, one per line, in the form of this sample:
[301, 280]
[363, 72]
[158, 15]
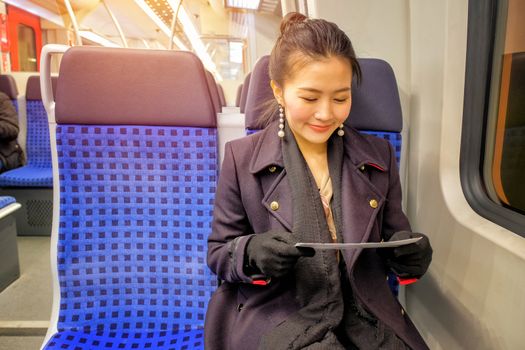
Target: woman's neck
[311, 150]
[317, 159]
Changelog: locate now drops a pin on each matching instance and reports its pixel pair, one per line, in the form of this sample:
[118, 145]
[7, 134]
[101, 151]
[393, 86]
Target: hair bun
[290, 19]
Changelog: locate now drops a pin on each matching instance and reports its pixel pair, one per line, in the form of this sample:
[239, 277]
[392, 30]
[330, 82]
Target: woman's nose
[324, 111]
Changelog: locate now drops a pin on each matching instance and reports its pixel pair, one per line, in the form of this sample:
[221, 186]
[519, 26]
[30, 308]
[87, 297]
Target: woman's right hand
[273, 253]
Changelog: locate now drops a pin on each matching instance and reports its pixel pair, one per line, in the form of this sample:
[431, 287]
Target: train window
[507, 131]
[26, 48]
[229, 54]
[493, 134]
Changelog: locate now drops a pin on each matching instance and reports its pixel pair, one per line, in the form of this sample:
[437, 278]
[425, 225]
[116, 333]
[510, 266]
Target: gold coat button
[272, 169]
[402, 312]
[373, 203]
[362, 168]
[274, 205]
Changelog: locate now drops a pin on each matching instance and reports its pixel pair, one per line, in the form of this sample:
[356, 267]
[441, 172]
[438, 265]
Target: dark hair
[301, 41]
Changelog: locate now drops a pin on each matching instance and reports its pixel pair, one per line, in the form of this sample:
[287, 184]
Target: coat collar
[362, 151]
[268, 153]
[267, 150]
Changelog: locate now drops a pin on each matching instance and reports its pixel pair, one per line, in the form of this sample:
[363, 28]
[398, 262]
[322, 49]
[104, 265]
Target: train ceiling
[136, 24]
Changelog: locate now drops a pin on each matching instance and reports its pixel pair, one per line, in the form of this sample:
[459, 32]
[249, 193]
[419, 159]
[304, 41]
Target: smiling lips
[319, 128]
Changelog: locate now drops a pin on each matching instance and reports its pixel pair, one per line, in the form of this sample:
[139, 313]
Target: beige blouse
[326, 193]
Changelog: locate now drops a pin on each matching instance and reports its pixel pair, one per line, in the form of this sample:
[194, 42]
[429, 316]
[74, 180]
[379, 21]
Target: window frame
[22, 26]
[482, 21]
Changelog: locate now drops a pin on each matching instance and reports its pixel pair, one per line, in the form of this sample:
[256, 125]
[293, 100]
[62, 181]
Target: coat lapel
[278, 190]
[267, 162]
[361, 200]
[357, 208]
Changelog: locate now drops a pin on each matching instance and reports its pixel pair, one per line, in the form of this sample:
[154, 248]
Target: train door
[25, 40]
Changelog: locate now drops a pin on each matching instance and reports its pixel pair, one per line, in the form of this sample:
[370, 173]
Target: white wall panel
[473, 295]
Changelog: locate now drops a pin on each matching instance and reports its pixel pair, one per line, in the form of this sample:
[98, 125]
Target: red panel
[16, 16]
[4, 41]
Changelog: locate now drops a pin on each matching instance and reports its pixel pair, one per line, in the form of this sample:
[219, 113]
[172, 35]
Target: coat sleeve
[394, 219]
[231, 229]
[8, 120]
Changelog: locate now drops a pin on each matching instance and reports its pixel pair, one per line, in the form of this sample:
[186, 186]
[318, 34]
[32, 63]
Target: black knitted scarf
[317, 279]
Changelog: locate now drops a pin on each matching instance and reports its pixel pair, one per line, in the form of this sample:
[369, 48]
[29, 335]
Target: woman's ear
[277, 92]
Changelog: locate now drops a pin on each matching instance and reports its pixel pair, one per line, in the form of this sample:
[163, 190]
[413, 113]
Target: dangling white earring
[280, 133]
[340, 132]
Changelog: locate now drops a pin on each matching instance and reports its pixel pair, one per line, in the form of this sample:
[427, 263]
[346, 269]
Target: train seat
[259, 93]
[376, 107]
[8, 87]
[214, 91]
[32, 183]
[244, 92]
[221, 95]
[137, 171]
[9, 266]
[230, 124]
[238, 96]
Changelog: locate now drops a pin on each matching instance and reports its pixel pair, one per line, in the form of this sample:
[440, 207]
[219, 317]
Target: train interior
[77, 72]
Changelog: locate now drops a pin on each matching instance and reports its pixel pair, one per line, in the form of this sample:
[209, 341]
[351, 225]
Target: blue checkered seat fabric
[38, 171]
[135, 211]
[6, 200]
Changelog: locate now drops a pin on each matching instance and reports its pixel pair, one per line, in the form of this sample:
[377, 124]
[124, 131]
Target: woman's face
[317, 100]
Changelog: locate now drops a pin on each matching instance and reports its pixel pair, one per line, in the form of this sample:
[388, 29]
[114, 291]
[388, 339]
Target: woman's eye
[340, 100]
[309, 99]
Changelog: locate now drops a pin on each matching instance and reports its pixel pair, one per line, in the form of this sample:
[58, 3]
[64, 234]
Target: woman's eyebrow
[319, 91]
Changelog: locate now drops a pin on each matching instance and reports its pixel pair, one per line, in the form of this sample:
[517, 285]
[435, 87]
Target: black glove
[273, 253]
[411, 260]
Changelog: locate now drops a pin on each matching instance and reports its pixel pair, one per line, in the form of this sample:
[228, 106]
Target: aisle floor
[27, 301]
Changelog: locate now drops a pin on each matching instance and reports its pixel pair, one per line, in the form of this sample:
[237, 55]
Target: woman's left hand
[411, 260]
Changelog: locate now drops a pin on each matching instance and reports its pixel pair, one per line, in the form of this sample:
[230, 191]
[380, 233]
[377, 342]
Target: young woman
[306, 178]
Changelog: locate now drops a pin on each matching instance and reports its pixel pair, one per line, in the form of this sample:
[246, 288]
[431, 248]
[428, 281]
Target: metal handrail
[73, 21]
[117, 24]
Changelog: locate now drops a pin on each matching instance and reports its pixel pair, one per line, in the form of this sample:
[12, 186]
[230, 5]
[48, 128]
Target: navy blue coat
[251, 178]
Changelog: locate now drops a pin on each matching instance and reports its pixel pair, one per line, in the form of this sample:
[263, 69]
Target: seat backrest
[137, 163]
[244, 92]
[8, 87]
[376, 108]
[221, 95]
[38, 151]
[238, 96]
[259, 93]
[214, 92]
